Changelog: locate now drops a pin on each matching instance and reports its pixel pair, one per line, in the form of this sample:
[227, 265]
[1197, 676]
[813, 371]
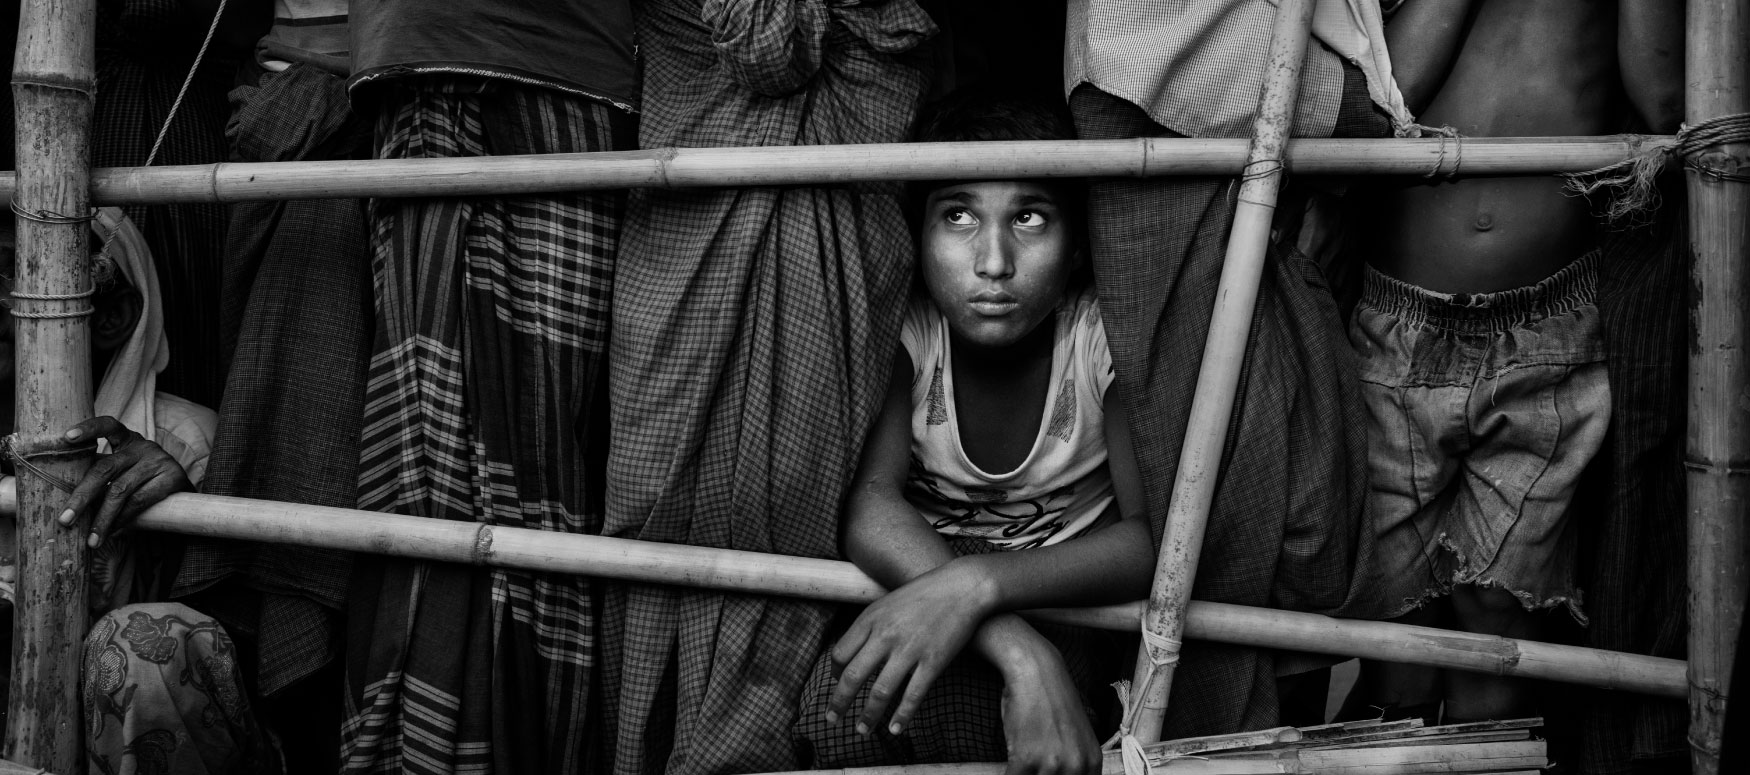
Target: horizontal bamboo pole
[1528, 756]
[783, 166]
[462, 542]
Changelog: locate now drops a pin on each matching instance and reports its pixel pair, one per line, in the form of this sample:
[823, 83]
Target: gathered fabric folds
[296, 334]
[1286, 525]
[481, 402]
[753, 332]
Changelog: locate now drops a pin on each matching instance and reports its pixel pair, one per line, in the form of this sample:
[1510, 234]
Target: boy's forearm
[1013, 647]
[1114, 565]
[1424, 39]
[887, 538]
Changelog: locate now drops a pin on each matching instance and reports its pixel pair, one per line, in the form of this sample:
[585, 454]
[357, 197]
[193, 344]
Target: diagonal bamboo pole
[1223, 353]
[837, 581]
[52, 86]
[1718, 454]
[819, 164]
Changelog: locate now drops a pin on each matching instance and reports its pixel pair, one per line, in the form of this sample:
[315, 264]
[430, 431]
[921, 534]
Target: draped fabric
[753, 332]
[296, 333]
[1286, 525]
[144, 50]
[480, 405]
[1632, 547]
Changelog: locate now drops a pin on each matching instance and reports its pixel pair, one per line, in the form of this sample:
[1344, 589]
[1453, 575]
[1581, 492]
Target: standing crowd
[1455, 409]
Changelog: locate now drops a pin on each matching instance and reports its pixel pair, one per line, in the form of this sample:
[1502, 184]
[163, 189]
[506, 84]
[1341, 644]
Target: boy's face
[996, 257]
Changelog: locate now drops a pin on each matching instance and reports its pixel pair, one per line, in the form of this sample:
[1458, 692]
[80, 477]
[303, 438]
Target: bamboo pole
[1218, 378]
[52, 87]
[825, 164]
[323, 527]
[1718, 455]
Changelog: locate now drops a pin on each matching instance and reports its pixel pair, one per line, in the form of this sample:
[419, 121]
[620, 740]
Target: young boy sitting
[1479, 336]
[998, 478]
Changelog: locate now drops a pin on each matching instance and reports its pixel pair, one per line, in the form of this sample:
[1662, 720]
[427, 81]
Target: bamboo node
[483, 545]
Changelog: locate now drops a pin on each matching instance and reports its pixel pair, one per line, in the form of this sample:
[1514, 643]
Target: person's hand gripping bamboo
[135, 475]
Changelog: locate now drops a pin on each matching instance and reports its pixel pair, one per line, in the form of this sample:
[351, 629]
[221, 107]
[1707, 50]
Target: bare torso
[1526, 68]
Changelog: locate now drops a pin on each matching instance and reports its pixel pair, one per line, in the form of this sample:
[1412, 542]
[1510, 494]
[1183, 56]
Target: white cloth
[1062, 488]
[130, 385]
[1197, 66]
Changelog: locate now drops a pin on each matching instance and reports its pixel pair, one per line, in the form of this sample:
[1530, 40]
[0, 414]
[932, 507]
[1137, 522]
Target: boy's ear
[113, 323]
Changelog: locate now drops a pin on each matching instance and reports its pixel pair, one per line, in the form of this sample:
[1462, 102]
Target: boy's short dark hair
[986, 116]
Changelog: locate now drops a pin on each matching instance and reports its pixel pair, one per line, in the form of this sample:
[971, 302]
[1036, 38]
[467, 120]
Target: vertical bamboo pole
[52, 83]
[1718, 458]
[1223, 353]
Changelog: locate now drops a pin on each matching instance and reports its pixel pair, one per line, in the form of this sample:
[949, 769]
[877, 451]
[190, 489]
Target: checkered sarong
[753, 334]
[491, 326]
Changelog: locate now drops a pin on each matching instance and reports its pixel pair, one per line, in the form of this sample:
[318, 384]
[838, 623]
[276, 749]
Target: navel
[1485, 222]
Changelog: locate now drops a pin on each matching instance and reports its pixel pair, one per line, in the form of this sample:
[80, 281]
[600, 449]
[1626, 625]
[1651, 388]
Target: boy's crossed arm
[939, 603]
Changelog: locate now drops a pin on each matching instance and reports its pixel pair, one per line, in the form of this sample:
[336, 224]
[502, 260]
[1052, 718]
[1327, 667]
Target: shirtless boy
[1480, 344]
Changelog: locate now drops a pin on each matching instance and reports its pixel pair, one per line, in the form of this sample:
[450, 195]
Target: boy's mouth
[993, 303]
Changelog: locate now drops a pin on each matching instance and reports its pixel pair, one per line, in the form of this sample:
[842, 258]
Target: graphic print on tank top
[1062, 487]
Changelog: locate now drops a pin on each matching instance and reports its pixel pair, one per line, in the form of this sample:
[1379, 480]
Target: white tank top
[1063, 486]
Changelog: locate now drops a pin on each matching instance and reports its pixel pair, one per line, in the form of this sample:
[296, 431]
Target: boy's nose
[995, 257]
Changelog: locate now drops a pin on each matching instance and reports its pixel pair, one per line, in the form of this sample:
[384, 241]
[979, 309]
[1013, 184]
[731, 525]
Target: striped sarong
[753, 334]
[480, 406]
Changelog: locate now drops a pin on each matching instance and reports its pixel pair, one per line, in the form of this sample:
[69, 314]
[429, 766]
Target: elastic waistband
[1573, 287]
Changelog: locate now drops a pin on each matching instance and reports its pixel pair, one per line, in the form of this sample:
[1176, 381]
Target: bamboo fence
[816, 164]
[211, 516]
[52, 83]
[52, 86]
[1218, 378]
[1718, 454]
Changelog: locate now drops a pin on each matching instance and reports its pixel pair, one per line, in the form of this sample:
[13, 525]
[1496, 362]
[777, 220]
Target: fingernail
[862, 728]
[66, 517]
[894, 729]
[92, 541]
[832, 717]
[73, 434]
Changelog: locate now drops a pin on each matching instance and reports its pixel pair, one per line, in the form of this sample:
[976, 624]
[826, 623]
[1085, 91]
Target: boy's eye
[959, 216]
[1030, 218]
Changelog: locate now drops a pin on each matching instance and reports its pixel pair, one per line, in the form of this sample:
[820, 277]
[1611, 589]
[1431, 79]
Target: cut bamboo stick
[1718, 453]
[825, 164]
[836, 581]
[52, 89]
[1218, 378]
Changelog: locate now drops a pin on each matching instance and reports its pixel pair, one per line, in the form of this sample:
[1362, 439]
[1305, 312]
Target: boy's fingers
[922, 678]
[848, 647]
[851, 680]
[887, 687]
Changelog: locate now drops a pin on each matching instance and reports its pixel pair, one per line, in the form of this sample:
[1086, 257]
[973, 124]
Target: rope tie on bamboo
[50, 217]
[1163, 652]
[9, 448]
[1445, 133]
[1632, 181]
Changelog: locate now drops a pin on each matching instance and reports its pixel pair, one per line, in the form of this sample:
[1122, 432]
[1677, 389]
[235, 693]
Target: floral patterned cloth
[162, 694]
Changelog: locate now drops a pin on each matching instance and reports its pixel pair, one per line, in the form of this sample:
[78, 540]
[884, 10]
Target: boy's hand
[1047, 731]
[903, 642]
[134, 477]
